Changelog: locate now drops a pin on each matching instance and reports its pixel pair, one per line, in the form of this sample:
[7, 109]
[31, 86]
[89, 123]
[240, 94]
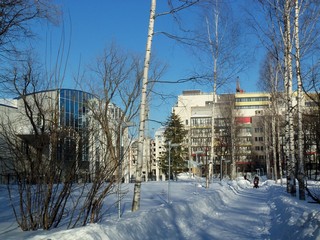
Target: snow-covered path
[246, 215]
[220, 212]
[227, 210]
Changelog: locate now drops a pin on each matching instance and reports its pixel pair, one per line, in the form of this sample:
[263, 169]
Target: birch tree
[299, 33]
[292, 10]
[288, 81]
[218, 45]
[145, 82]
[301, 174]
[270, 76]
[143, 108]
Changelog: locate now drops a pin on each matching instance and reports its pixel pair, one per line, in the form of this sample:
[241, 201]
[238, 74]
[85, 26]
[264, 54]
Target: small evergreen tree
[174, 133]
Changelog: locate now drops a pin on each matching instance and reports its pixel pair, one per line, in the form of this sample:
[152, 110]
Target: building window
[252, 99]
[251, 107]
[201, 122]
[257, 130]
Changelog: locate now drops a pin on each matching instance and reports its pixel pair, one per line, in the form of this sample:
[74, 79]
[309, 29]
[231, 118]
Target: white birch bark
[266, 145]
[289, 114]
[143, 109]
[279, 150]
[286, 80]
[233, 130]
[214, 86]
[274, 154]
[274, 122]
[214, 48]
[299, 99]
[275, 114]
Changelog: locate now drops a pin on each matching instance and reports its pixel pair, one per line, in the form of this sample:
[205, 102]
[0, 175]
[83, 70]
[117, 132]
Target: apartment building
[236, 119]
[147, 166]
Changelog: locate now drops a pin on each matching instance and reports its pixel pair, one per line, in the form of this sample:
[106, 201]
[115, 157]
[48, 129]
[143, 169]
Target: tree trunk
[233, 138]
[276, 130]
[279, 150]
[214, 53]
[290, 156]
[137, 186]
[266, 146]
[299, 99]
[274, 148]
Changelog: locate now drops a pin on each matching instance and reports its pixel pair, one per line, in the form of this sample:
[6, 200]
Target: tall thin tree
[299, 103]
[143, 108]
[144, 91]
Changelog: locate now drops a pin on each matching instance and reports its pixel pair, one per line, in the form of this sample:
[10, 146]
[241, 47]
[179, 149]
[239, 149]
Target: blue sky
[90, 26]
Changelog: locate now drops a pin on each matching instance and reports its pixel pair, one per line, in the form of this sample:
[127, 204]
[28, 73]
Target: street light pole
[122, 127]
[120, 173]
[169, 171]
[221, 168]
[169, 161]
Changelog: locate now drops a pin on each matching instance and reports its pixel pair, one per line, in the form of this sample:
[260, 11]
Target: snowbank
[227, 210]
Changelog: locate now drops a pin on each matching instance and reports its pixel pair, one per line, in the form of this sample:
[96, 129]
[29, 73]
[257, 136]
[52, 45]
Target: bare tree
[143, 109]
[225, 134]
[48, 154]
[294, 24]
[31, 138]
[301, 172]
[145, 82]
[16, 18]
[116, 81]
[276, 36]
[218, 45]
[270, 76]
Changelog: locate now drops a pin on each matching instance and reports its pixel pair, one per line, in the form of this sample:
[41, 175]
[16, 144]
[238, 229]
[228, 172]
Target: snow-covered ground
[227, 210]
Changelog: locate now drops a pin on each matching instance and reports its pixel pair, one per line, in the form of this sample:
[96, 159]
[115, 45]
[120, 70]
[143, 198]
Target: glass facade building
[73, 109]
[74, 115]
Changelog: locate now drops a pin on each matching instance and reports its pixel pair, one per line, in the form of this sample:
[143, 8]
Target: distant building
[159, 150]
[236, 127]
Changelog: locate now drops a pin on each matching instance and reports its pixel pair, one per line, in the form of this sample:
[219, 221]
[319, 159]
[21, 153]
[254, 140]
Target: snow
[226, 210]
